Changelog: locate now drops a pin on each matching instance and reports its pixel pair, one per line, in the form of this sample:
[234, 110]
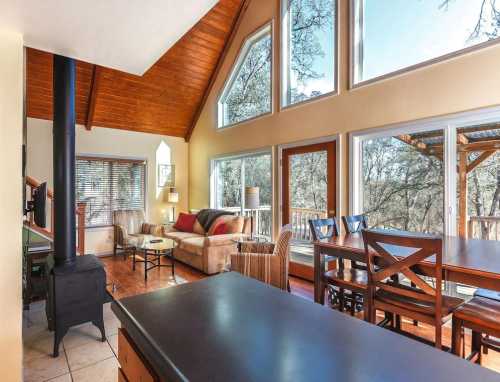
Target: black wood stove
[77, 284]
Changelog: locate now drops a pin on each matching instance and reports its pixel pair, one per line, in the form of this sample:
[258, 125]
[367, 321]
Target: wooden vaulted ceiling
[166, 100]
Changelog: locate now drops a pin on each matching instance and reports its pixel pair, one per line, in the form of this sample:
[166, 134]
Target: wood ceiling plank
[162, 101]
[234, 28]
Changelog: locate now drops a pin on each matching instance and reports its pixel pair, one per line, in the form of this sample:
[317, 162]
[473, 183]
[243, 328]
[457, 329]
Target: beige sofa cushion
[193, 245]
[197, 228]
[179, 236]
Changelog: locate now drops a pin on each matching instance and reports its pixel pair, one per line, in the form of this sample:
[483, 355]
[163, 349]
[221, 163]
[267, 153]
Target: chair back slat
[412, 249]
[318, 226]
[354, 223]
[282, 246]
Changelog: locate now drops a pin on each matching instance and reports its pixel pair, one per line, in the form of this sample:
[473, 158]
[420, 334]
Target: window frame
[355, 22]
[243, 51]
[112, 158]
[283, 87]
[241, 155]
[449, 124]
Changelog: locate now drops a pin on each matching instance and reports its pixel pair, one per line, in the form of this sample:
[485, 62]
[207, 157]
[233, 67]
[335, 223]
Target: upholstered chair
[266, 262]
[129, 225]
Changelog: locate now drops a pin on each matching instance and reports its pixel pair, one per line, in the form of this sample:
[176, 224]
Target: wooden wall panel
[162, 101]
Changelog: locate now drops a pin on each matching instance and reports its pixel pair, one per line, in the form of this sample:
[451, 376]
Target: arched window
[248, 90]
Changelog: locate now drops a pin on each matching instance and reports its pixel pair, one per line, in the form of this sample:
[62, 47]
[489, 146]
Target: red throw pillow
[185, 222]
[220, 229]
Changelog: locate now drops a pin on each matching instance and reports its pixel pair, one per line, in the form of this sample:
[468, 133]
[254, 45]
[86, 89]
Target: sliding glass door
[231, 175]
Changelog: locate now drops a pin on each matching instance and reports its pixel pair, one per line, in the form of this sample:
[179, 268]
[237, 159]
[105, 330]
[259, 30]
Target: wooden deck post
[462, 201]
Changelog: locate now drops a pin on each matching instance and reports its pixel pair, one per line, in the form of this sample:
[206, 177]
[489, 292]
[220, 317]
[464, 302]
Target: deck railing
[263, 219]
[299, 218]
[48, 232]
[484, 227]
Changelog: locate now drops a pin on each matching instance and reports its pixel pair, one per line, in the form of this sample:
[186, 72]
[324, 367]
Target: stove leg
[58, 336]
[100, 325]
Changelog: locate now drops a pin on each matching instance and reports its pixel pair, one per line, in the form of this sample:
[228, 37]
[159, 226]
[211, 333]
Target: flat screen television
[38, 205]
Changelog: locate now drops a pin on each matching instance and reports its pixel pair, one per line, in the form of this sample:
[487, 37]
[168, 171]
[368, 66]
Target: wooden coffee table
[155, 248]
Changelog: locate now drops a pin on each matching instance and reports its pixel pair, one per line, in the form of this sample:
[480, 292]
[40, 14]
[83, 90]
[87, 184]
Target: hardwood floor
[130, 283]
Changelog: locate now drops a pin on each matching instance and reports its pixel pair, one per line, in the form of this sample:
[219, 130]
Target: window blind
[107, 185]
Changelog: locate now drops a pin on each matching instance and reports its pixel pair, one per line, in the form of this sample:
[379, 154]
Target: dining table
[472, 262]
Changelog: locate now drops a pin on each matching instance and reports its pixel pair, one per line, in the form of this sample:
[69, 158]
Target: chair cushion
[193, 245]
[425, 307]
[487, 293]
[185, 222]
[348, 277]
[130, 219]
[177, 236]
[481, 311]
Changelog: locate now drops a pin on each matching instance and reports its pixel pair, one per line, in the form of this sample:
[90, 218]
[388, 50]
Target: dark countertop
[232, 328]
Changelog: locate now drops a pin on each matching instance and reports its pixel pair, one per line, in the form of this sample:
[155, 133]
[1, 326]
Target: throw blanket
[207, 216]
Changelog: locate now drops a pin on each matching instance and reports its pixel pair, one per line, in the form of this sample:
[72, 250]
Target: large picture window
[248, 91]
[390, 36]
[107, 185]
[440, 175]
[403, 182]
[308, 49]
[231, 176]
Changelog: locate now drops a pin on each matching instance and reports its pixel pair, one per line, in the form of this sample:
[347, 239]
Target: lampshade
[252, 198]
[173, 196]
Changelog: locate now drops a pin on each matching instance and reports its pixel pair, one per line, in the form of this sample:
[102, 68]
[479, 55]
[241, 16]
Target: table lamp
[173, 198]
[252, 203]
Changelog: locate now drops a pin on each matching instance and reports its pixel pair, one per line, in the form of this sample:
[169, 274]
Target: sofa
[129, 226]
[205, 250]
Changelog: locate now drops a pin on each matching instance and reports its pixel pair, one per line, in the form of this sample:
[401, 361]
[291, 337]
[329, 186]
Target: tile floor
[82, 356]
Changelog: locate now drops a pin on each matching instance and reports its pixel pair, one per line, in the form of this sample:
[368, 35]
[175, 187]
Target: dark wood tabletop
[469, 261]
[232, 328]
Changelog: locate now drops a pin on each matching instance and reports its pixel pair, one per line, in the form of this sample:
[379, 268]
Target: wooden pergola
[483, 140]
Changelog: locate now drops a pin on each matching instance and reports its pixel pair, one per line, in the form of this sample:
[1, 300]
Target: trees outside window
[308, 49]
[390, 36]
[107, 185]
[232, 175]
[248, 91]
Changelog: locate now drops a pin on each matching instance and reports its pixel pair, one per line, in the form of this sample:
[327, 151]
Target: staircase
[48, 233]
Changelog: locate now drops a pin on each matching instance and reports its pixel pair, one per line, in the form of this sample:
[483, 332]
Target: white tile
[88, 354]
[37, 345]
[44, 367]
[111, 325]
[103, 371]
[81, 335]
[113, 342]
[62, 378]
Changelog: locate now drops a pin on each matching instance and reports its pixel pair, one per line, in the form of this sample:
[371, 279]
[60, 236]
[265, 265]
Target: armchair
[128, 226]
[266, 262]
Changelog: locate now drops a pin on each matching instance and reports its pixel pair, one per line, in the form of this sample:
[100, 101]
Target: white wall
[113, 142]
[11, 132]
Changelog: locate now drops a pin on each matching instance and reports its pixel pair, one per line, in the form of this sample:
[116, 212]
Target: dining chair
[354, 224]
[350, 279]
[400, 254]
[482, 315]
[266, 262]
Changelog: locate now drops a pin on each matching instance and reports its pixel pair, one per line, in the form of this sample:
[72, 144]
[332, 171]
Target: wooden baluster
[81, 227]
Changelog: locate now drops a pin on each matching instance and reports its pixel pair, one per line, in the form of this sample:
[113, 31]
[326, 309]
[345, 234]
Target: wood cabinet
[134, 367]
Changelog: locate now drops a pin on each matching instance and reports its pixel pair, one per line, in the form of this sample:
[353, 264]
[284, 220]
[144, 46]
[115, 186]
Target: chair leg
[456, 336]
[322, 295]
[485, 348]
[439, 336]
[476, 346]
[398, 322]
[114, 250]
[341, 299]
[288, 286]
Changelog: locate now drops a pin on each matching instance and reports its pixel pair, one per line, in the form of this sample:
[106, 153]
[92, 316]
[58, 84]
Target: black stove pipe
[64, 161]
